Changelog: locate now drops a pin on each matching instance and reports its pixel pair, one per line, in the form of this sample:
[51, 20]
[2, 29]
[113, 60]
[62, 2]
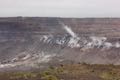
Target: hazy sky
[60, 8]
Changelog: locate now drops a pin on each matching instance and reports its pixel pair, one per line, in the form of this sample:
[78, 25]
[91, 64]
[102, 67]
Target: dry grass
[68, 72]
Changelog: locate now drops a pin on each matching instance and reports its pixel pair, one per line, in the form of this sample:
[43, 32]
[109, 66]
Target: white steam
[6, 65]
[29, 60]
[117, 45]
[69, 30]
[98, 41]
[74, 41]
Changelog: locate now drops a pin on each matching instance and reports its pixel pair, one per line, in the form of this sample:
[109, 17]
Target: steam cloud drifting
[75, 41]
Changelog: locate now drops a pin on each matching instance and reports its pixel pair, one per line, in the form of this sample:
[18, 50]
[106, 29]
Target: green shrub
[49, 77]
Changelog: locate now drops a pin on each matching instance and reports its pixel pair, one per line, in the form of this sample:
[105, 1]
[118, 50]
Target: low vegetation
[68, 72]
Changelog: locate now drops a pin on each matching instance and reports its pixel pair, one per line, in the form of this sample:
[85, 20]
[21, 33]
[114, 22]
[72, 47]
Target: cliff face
[31, 41]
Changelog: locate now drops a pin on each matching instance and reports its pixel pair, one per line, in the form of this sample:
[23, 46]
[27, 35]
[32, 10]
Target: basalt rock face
[27, 42]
